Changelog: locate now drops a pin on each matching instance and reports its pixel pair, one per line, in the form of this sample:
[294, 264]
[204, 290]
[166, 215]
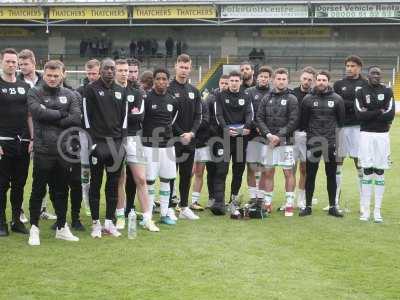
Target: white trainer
[96, 229]
[110, 229]
[150, 226]
[23, 218]
[377, 216]
[187, 213]
[34, 239]
[171, 214]
[65, 234]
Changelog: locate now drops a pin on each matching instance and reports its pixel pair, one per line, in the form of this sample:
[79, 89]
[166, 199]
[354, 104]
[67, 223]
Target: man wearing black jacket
[185, 127]
[255, 145]
[277, 118]
[105, 119]
[349, 134]
[375, 109]
[15, 141]
[234, 116]
[322, 111]
[247, 72]
[54, 109]
[92, 68]
[161, 112]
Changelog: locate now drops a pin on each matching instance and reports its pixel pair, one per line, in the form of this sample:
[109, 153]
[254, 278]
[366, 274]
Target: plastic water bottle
[132, 229]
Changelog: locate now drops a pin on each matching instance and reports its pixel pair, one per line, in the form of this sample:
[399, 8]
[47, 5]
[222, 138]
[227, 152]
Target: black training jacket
[278, 114]
[375, 108]
[135, 110]
[321, 114]
[104, 110]
[53, 110]
[233, 108]
[346, 88]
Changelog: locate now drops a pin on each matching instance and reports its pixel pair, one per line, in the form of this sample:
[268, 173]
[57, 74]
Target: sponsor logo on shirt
[177, 95]
[63, 100]
[358, 88]
[118, 95]
[170, 107]
[154, 106]
[131, 98]
[381, 97]
[21, 90]
[344, 88]
[4, 91]
[191, 95]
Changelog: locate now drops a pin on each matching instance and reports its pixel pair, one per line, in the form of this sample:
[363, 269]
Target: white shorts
[348, 141]
[281, 156]
[202, 154]
[134, 150]
[300, 146]
[374, 150]
[84, 150]
[254, 152]
[161, 162]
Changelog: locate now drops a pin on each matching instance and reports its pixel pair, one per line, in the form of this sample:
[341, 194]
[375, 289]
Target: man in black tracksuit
[234, 115]
[185, 127]
[15, 141]
[54, 109]
[105, 109]
[321, 113]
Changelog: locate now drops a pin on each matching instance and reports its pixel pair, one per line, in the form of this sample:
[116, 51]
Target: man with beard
[247, 73]
[375, 109]
[322, 111]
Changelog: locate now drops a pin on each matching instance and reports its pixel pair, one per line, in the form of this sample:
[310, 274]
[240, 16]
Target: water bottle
[132, 230]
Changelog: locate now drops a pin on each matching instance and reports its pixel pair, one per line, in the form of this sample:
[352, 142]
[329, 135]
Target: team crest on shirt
[101, 93]
[63, 100]
[131, 98]
[118, 95]
[241, 102]
[177, 95]
[170, 107]
[315, 104]
[368, 99]
[381, 97]
[344, 88]
[226, 100]
[154, 106]
[21, 90]
[331, 104]
[220, 152]
[256, 97]
[283, 102]
[94, 160]
[191, 95]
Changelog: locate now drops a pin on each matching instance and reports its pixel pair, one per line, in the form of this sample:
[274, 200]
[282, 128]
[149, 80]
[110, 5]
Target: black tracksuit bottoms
[312, 163]
[49, 170]
[236, 151]
[102, 159]
[13, 170]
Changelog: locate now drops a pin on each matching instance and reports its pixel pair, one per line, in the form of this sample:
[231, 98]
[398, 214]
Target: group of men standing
[135, 136]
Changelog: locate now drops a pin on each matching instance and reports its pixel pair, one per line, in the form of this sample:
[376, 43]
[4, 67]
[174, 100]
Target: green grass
[217, 258]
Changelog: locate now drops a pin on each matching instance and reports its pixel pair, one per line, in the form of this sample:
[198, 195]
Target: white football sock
[338, 183]
[252, 192]
[164, 198]
[195, 197]
[366, 195]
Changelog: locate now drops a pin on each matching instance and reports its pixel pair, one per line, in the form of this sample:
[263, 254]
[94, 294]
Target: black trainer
[333, 211]
[77, 225]
[218, 209]
[306, 211]
[4, 229]
[18, 227]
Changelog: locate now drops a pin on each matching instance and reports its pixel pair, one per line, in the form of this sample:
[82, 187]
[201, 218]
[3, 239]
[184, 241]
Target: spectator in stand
[178, 48]
[132, 49]
[154, 47]
[169, 46]
[83, 48]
